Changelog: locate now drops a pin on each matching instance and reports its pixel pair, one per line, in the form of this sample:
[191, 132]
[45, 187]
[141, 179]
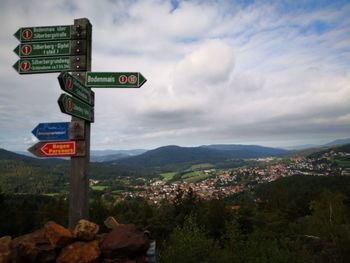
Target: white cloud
[216, 72]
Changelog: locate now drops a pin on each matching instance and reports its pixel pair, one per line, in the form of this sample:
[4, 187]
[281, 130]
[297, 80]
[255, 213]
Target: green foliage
[21, 214]
[327, 228]
[99, 211]
[189, 244]
[32, 178]
[264, 229]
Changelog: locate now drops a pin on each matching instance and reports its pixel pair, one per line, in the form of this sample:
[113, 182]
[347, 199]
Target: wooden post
[79, 171]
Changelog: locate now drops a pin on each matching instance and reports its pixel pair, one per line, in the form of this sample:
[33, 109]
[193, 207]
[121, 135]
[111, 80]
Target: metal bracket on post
[78, 63]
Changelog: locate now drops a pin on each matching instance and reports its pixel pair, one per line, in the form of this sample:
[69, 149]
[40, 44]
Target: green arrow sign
[50, 64]
[25, 34]
[51, 48]
[114, 79]
[75, 107]
[74, 87]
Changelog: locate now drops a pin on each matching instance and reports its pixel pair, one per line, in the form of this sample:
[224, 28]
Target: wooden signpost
[67, 49]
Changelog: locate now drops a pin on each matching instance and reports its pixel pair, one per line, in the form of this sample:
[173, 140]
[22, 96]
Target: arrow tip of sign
[60, 102]
[16, 50]
[15, 66]
[35, 130]
[142, 79]
[17, 34]
[32, 149]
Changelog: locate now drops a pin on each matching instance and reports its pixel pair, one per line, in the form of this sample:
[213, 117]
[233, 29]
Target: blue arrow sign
[54, 131]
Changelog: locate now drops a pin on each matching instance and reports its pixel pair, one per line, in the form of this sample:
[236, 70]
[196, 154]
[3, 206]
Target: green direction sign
[74, 87]
[27, 34]
[50, 64]
[114, 79]
[75, 107]
[51, 48]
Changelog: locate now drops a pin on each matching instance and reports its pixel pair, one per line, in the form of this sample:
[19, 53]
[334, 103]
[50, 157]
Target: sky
[273, 73]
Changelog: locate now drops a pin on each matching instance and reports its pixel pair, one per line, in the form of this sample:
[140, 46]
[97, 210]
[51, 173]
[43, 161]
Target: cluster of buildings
[236, 180]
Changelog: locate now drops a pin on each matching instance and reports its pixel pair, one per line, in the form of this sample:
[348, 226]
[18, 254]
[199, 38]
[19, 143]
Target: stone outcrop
[80, 252]
[55, 243]
[33, 247]
[85, 230]
[5, 250]
[123, 241]
[111, 222]
[58, 235]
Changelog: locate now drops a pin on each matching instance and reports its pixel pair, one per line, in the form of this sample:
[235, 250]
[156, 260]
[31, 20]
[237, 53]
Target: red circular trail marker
[25, 65]
[27, 34]
[123, 79]
[26, 49]
[69, 83]
[69, 105]
[132, 79]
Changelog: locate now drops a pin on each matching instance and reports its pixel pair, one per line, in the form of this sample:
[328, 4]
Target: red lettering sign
[59, 148]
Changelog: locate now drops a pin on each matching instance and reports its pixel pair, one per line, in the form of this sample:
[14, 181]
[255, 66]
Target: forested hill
[169, 155]
[246, 151]
[22, 174]
[11, 156]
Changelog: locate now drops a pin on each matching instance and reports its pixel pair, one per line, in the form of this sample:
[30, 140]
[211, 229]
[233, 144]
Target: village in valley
[208, 182]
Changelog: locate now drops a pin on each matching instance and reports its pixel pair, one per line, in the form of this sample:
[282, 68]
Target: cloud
[211, 63]
[217, 71]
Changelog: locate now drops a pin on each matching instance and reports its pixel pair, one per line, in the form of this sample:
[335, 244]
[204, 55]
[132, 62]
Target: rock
[5, 250]
[124, 241]
[85, 230]
[58, 235]
[33, 247]
[111, 223]
[80, 252]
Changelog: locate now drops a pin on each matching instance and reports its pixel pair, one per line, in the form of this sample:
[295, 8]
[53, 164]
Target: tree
[190, 244]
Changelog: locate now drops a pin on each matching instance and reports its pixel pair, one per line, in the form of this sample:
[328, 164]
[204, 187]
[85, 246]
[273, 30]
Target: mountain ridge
[172, 154]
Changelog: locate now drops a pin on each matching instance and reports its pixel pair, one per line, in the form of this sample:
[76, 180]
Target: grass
[191, 174]
[202, 166]
[342, 162]
[168, 176]
[52, 194]
[197, 178]
[99, 187]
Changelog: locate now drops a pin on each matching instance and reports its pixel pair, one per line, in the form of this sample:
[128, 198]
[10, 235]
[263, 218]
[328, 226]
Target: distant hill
[23, 174]
[110, 155]
[169, 155]
[338, 142]
[8, 155]
[246, 151]
[107, 158]
[315, 146]
[301, 147]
